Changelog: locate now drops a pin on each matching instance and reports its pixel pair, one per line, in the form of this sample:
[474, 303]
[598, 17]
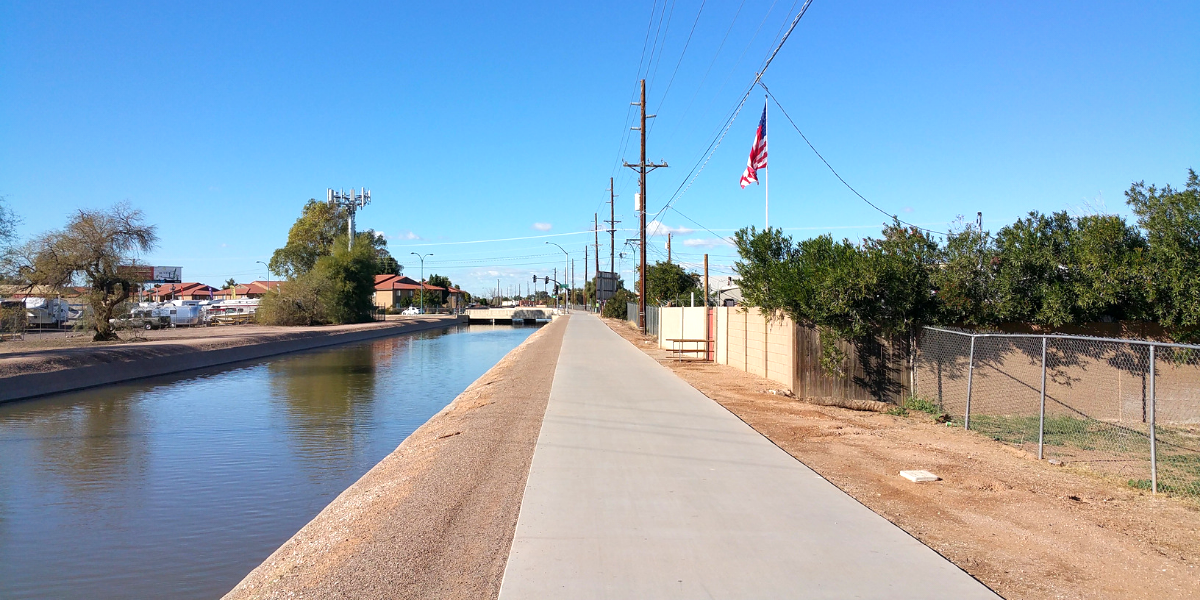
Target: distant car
[412, 310]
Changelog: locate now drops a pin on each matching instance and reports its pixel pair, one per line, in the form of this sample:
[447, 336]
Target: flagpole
[766, 177]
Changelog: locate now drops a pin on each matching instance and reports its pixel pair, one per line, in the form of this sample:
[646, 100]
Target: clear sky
[484, 121]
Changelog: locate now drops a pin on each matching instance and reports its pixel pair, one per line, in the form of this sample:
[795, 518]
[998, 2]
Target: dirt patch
[52, 351]
[1027, 529]
[434, 519]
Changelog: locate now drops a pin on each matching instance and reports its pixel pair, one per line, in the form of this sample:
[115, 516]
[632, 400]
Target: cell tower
[352, 203]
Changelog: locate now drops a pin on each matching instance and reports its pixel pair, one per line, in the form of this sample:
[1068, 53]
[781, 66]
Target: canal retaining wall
[42, 372]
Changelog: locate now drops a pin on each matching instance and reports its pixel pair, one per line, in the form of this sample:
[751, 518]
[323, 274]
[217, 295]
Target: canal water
[178, 486]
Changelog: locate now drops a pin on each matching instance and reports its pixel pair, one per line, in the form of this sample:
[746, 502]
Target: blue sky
[484, 121]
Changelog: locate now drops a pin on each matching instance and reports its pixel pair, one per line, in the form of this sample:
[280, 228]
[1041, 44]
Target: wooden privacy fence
[782, 351]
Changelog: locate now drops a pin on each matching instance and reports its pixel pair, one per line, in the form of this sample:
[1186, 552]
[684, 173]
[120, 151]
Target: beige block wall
[747, 341]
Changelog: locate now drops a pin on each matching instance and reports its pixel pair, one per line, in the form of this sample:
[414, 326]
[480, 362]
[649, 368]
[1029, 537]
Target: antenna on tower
[352, 202]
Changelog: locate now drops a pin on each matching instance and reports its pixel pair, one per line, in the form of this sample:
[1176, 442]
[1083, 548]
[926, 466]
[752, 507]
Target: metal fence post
[1153, 448]
[1042, 411]
[970, 376]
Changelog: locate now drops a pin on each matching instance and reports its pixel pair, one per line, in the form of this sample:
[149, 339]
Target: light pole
[422, 257]
[567, 304]
[268, 273]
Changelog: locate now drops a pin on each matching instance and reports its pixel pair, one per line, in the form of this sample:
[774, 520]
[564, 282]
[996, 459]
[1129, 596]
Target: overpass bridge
[517, 314]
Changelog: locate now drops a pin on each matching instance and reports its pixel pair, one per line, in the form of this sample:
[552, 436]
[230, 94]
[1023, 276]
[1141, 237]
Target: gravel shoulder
[1025, 528]
[434, 519]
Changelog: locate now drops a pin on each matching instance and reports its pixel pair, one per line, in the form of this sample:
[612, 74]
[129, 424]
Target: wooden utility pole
[642, 168]
[596, 234]
[612, 228]
[585, 274]
[668, 247]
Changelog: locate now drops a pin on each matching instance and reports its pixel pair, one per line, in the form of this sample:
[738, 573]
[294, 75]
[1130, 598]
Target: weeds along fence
[1126, 408]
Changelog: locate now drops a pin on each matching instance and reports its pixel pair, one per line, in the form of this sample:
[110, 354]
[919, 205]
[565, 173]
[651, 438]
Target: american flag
[758, 152]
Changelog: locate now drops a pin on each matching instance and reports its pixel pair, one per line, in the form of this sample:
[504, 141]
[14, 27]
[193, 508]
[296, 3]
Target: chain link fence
[13, 319]
[1125, 408]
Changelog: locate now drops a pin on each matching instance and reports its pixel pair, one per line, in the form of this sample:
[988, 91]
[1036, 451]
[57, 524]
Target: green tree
[669, 283]
[964, 283]
[339, 288]
[617, 307]
[388, 265]
[98, 246]
[1033, 280]
[1171, 220]
[435, 298]
[1107, 265]
[311, 237]
[229, 284]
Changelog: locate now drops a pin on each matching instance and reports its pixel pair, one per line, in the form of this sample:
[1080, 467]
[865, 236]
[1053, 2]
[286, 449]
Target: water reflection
[187, 483]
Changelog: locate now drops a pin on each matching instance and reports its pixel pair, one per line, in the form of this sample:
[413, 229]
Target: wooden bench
[678, 350]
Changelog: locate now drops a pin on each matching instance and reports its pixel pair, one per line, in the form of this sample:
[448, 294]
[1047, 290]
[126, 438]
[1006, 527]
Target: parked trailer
[229, 312]
[46, 312]
[184, 313]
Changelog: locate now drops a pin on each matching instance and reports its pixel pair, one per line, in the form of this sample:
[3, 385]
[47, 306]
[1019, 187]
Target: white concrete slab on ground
[642, 487]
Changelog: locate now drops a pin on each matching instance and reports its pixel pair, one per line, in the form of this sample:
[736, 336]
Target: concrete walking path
[642, 487]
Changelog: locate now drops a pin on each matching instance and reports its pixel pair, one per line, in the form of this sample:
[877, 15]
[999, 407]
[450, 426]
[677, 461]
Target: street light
[566, 268]
[268, 273]
[422, 257]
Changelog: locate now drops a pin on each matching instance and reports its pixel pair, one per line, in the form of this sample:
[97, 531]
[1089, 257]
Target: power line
[681, 55]
[528, 237]
[835, 173]
[712, 147]
[664, 44]
[713, 61]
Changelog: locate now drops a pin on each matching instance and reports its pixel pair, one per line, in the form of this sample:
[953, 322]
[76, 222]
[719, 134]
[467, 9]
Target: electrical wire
[716, 143]
[686, 43]
[835, 173]
[528, 237]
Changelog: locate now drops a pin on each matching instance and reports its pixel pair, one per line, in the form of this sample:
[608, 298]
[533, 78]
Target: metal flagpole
[766, 173]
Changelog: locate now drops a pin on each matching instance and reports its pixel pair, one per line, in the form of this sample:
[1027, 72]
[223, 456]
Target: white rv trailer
[43, 312]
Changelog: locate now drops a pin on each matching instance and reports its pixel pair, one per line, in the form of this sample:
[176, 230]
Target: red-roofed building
[254, 289]
[182, 291]
[393, 290]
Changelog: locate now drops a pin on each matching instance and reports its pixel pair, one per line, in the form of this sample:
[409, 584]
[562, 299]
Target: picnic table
[680, 351]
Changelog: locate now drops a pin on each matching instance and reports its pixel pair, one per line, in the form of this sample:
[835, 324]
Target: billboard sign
[607, 284]
[147, 274]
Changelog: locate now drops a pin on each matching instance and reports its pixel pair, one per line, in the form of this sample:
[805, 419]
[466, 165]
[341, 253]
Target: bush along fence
[1128, 408]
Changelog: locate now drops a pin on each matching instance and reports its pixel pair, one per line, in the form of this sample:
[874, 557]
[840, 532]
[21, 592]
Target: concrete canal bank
[435, 518]
[37, 372]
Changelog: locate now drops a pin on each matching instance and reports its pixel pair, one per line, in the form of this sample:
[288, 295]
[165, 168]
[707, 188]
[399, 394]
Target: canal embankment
[35, 371]
[436, 517]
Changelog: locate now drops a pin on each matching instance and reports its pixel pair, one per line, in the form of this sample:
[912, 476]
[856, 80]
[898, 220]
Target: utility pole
[586, 304]
[668, 247]
[596, 233]
[571, 290]
[612, 229]
[642, 168]
[351, 202]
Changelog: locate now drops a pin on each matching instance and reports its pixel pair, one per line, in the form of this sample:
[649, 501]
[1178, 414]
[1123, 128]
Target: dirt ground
[434, 519]
[42, 352]
[1025, 528]
[56, 339]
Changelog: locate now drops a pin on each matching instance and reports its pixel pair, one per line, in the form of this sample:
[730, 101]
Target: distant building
[399, 290]
[254, 289]
[181, 291]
